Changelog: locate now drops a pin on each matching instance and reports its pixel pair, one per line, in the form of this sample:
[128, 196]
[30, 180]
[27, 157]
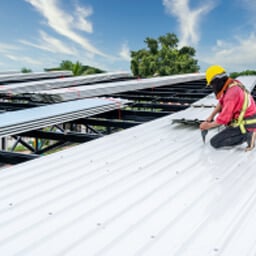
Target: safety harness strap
[240, 121]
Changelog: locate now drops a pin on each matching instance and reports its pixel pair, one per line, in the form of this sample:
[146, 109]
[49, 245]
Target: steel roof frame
[143, 110]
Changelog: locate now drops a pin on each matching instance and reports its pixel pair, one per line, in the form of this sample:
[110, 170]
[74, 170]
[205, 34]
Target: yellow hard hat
[213, 71]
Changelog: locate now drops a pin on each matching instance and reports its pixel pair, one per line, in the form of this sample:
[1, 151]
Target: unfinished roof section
[202, 108]
[210, 101]
[13, 76]
[58, 81]
[154, 189]
[108, 88]
[147, 104]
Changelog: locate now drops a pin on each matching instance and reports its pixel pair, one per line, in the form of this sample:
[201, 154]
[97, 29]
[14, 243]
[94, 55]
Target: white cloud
[9, 52]
[7, 47]
[188, 19]
[125, 52]
[23, 59]
[65, 23]
[81, 23]
[238, 55]
[50, 44]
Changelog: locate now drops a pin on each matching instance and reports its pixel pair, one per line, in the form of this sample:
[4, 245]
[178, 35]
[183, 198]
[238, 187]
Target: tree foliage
[162, 57]
[243, 73]
[26, 70]
[77, 68]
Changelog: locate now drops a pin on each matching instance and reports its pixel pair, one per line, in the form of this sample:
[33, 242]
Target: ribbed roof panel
[64, 94]
[43, 116]
[57, 81]
[14, 76]
[154, 189]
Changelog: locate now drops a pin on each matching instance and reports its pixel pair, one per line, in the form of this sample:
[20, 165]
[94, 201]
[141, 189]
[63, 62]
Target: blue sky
[39, 34]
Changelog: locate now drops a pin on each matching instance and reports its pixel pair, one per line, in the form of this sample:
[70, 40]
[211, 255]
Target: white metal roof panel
[39, 75]
[32, 86]
[208, 101]
[34, 118]
[65, 94]
[154, 189]
[248, 81]
[195, 114]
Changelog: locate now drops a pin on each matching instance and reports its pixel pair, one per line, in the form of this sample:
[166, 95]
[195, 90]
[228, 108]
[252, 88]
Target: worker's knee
[215, 142]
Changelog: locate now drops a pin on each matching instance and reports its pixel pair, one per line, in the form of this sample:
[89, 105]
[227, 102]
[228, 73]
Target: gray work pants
[230, 136]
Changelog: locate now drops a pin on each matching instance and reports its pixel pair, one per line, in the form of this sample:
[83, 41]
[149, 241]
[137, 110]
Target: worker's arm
[208, 125]
[216, 110]
[209, 122]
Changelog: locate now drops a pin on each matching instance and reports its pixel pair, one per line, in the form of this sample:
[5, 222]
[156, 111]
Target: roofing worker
[236, 110]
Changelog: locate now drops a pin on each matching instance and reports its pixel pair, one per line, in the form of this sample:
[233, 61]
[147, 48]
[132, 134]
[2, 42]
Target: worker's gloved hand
[208, 125]
[205, 125]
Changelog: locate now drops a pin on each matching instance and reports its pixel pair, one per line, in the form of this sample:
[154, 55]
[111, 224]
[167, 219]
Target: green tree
[243, 73]
[77, 68]
[91, 70]
[26, 70]
[66, 65]
[152, 45]
[162, 57]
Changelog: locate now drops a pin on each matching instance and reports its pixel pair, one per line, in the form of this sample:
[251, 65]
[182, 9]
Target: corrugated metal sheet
[34, 118]
[30, 87]
[208, 101]
[154, 189]
[109, 88]
[13, 76]
[193, 114]
[248, 81]
[60, 82]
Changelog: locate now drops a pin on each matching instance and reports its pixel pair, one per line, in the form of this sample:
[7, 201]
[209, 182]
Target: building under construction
[115, 165]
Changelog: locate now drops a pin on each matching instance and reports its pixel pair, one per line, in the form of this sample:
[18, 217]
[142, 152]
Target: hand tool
[204, 133]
